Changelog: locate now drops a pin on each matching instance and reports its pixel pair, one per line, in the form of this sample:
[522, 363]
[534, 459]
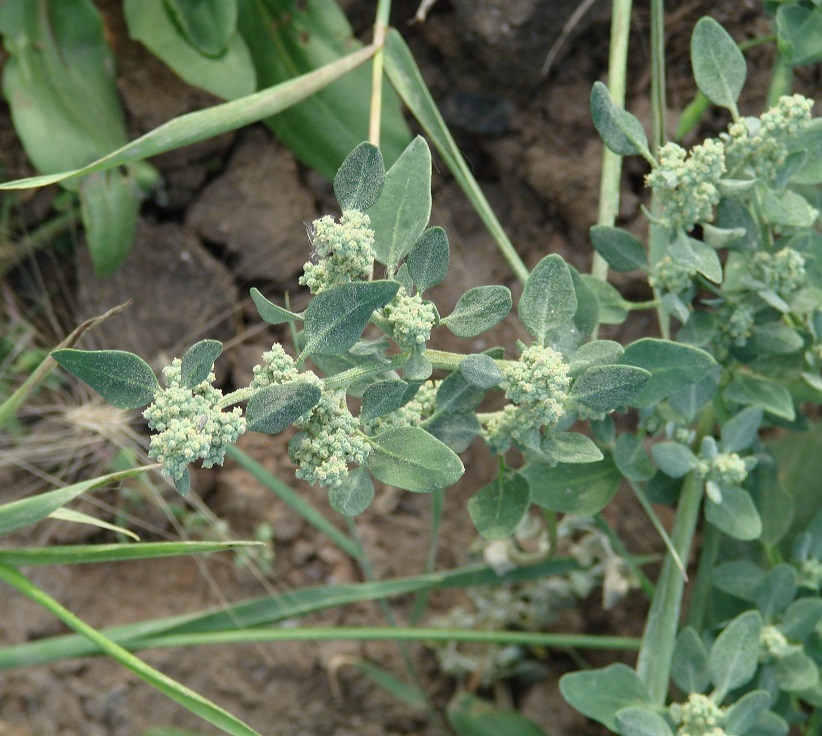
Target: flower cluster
[759, 146]
[190, 424]
[277, 367]
[687, 184]
[408, 415]
[783, 271]
[726, 469]
[775, 644]
[671, 277]
[737, 324]
[411, 319]
[345, 251]
[699, 716]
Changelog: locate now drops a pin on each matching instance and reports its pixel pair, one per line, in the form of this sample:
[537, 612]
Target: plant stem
[707, 559]
[375, 116]
[781, 80]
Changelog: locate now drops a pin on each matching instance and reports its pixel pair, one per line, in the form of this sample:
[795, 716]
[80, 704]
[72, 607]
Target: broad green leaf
[497, 508]
[229, 74]
[671, 365]
[336, 317]
[272, 409]
[801, 618]
[698, 330]
[207, 25]
[455, 430]
[573, 489]
[183, 482]
[270, 312]
[740, 431]
[620, 131]
[598, 352]
[736, 515]
[745, 711]
[673, 459]
[638, 721]
[607, 387]
[354, 495]
[456, 394]
[570, 447]
[613, 309]
[412, 459]
[123, 379]
[690, 400]
[478, 310]
[481, 371]
[471, 716]
[799, 29]
[198, 362]
[587, 317]
[750, 390]
[549, 302]
[770, 724]
[78, 517]
[797, 672]
[417, 367]
[777, 590]
[400, 215]
[739, 578]
[382, 397]
[631, 458]
[689, 665]
[359, 180]
[429, 258]
[599, 694]
[619, 248]
[695, 254]
[787, 209]
[718, 64]
[287, 39]
[20, 514]
[109, 204]
[775, 337]
[733, 658]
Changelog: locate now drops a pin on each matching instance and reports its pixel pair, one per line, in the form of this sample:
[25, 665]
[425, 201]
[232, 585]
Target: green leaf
[429, 258]
[497, 508]
[549, 301]
[207, 25]
[270, 312]
[417, 367]
[796, 672]
[799, 29]
[123, 379]
[740, 431]
[354, 495]
[336, 317]
[360, 179]
[401, 213]
[478, 310]
[745, 711]
[597, 352]
[599, 694]
[769, 724]
[777, 590]
[801, 618]
[734, 655]
[613, 309]
[718, 64]
[698, 330]
[573, 489]
[689, 665]
[382, 397]
[198, 362]
[672, 366]
[607, 387]
[787, 209]
[638, 721]
[620, 131]
[736, 515]
[455, 430]
[183, 482]
[777, 338]
[695, 254]
[229, 74]
[751, 390]
[673, 459]
[621, 249]
[739, 578]
[471, 716]
[631, 458]
[570, 447]
[109, 204]
[456, 394]
[272, 409]
[481, 371]
[412, 459]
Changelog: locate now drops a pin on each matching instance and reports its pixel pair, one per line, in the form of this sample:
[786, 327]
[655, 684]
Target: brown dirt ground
[221, 228]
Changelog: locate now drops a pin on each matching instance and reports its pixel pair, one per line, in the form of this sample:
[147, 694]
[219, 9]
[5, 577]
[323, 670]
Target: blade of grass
[404, 74]
[202, 124]
[78, 517]
[192, 701]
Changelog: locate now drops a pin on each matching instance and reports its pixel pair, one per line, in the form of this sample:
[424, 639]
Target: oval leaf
[478, 310]
[637, 721]
[382, 397]
[274, 408]
[481, 371]
[354, 495]
[718, 64]
[689, 665]
[673, 459]
[412, 459]
[497, 508]
[429, 258]
[549, 300]
[360, 179]
[607, 387]
[123, 379]
[620, 131]
[600, 694]
[570, 447]
[198, 362]
[621, 249]
[736, 515]
[598, 352]
[573, 489]
[734, 655]
[270, 312]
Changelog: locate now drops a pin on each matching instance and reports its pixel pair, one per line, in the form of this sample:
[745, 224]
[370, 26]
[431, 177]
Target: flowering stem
[380, 24]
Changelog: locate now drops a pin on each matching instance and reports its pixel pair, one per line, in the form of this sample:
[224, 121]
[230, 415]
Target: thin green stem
[375, 117]
[707, 559]
[657, 524]
[781, 80]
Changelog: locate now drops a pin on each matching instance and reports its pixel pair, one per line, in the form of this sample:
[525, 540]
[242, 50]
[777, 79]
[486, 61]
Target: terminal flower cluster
[671, 277]
[783, 271]
[408, 415]
[345, 251]
[699, 716]
[411, 319]
[738, 324]
[726, 469]
[775, 644]
[277, 367]
[190, 424]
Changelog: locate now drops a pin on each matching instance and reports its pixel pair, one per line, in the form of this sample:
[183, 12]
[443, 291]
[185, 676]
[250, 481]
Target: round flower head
[277, 367]
[783, 271]
[411, 319]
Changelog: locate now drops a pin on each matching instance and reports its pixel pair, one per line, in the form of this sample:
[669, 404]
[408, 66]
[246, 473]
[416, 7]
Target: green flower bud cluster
[726, 469]
[345, 251]
[277, 367]
[699, 716]
[671, 277]
[737, 324]
[687, 184]
[190, 424]
[411, 319]
[810, 574]
[783, 271]
[330, 439]
[408, 415]
[775, 644]
[760, 145]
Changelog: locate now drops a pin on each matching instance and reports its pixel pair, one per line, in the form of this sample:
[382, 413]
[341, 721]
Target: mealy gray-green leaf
[497, 508]
[689, 664]
[607, 387]
[744, 712]
[337, 316]
[740, 431]
[270, 312]
[360, 179]
[570, 447]
[412, 459]
[736, 515]
[619, 248]
[478, 310]
[354, 495]
[429, 258]
[123, 379]
[631, 458]
[573, 489]
[455, 430]
[799, 29]
[733, 658]
[272, 409]
[382, 397]
[456, 394]
[673, 459]
[620, 131]
[695, 254]
[750, 390]
[801, 618]
[549, 301]
[718, 64]
[638, 721]
[481, 371]
[198, 361]
[597, 352]
[612, 307]
[777, 590]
